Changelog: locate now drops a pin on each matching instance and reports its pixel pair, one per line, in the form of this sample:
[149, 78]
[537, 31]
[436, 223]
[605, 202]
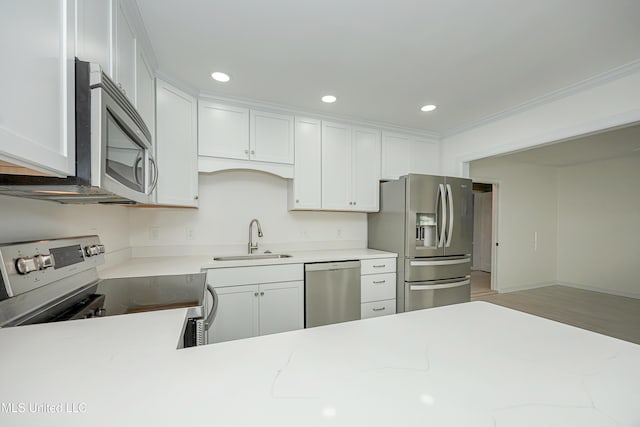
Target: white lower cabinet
[257, 300]
[377, 308]
[281, 307]
[377, 287]
[237, 314]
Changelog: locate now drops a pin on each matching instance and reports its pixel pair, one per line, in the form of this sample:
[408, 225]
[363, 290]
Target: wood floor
[480, 284]
[611, 315]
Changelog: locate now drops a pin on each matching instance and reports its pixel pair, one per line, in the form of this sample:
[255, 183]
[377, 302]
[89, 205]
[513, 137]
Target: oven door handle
[214, 309]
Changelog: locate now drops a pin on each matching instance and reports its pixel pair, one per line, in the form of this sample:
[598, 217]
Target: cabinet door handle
[261, 294]
[253, 151]
[379, 309]
[377, 282]
[246, 151]
[255, 294]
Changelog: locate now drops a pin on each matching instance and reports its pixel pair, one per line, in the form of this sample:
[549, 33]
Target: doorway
[482, 257]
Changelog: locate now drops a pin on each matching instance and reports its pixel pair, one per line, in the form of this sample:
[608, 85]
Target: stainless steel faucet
[253, 247]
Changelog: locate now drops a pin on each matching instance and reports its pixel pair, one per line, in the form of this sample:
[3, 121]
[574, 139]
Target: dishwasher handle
[331, 266]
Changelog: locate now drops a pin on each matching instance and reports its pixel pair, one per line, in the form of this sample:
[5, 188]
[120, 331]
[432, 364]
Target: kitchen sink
[249, 257]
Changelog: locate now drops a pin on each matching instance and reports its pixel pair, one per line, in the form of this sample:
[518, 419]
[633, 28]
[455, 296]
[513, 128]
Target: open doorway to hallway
[481, 258]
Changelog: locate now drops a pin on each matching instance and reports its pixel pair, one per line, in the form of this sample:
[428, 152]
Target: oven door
[436, 293]
[124, 156]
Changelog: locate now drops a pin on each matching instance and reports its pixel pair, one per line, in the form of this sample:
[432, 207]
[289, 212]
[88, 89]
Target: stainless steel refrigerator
[428, 221]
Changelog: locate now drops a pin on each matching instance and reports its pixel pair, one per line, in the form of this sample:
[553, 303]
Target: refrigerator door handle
[439, 262]
[443, 203]
[440, 286]
[450, 203]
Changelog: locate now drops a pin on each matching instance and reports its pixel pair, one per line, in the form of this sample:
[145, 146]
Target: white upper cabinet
[350, 167]
[223, 130]
[425, 156]
[176, 147]
[233, 137]
[37, 121]
[366, 169]
[125, 53]
[271, 137]
[305, 187]
[403, 154]
[336, 166]
[145, 91]
[396, 156]
[94, 31]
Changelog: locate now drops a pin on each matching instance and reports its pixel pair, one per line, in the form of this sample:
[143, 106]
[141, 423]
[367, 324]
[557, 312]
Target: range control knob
[26, 265]
[44, 261]
[39, 262]
[93, 250]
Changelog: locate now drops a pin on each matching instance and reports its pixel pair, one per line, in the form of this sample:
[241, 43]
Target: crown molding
[593, 81]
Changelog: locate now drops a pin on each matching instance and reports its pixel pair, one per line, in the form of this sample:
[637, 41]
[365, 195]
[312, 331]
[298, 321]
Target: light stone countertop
[472, 364]
[170, 265]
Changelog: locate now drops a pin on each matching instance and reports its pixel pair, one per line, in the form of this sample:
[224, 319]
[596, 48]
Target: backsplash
[228, 202]
[26, 219]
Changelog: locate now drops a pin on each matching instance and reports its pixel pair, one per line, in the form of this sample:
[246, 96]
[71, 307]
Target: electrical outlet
[189, 234]
[154, 232]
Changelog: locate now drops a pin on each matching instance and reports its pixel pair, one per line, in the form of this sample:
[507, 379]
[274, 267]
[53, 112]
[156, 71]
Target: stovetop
[57, 279]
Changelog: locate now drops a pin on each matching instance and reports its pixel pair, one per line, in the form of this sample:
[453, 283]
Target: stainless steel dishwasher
[331, 292]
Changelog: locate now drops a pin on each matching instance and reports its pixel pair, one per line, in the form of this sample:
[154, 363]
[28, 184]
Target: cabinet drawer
[233, 276]
[379, 265]
[377, 309]
[377, 287]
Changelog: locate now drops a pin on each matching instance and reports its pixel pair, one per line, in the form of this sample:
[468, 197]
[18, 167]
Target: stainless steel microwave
[114, 151]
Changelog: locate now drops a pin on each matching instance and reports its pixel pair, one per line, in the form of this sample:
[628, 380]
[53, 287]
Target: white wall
[599, 226]
[228, 202]
[25, 219]
[599, 105]
[526, 205]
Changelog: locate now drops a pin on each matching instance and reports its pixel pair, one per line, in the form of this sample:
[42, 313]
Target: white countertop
[472, 364]
[169, 265]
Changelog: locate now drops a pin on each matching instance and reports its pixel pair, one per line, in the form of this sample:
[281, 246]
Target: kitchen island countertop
[472, 364]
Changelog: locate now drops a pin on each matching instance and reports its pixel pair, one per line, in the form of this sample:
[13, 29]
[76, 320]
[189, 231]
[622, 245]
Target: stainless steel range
[57, 280]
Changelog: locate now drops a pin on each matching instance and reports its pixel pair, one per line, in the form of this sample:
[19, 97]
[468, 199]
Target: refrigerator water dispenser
[426, 230]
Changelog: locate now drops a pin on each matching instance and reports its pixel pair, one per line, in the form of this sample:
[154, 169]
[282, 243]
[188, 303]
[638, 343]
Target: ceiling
[384, 60]
[601, 146]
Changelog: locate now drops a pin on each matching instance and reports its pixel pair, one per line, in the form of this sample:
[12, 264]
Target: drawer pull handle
[379, 265]
[377, 282]
[379, 309]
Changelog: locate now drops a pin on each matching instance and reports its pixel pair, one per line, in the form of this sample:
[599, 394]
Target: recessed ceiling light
[328, 99]
[427, 108]
[220, 77]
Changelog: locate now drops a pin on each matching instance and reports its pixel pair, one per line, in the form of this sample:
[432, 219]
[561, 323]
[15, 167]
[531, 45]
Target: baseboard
[635, 295]
[526, 287]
